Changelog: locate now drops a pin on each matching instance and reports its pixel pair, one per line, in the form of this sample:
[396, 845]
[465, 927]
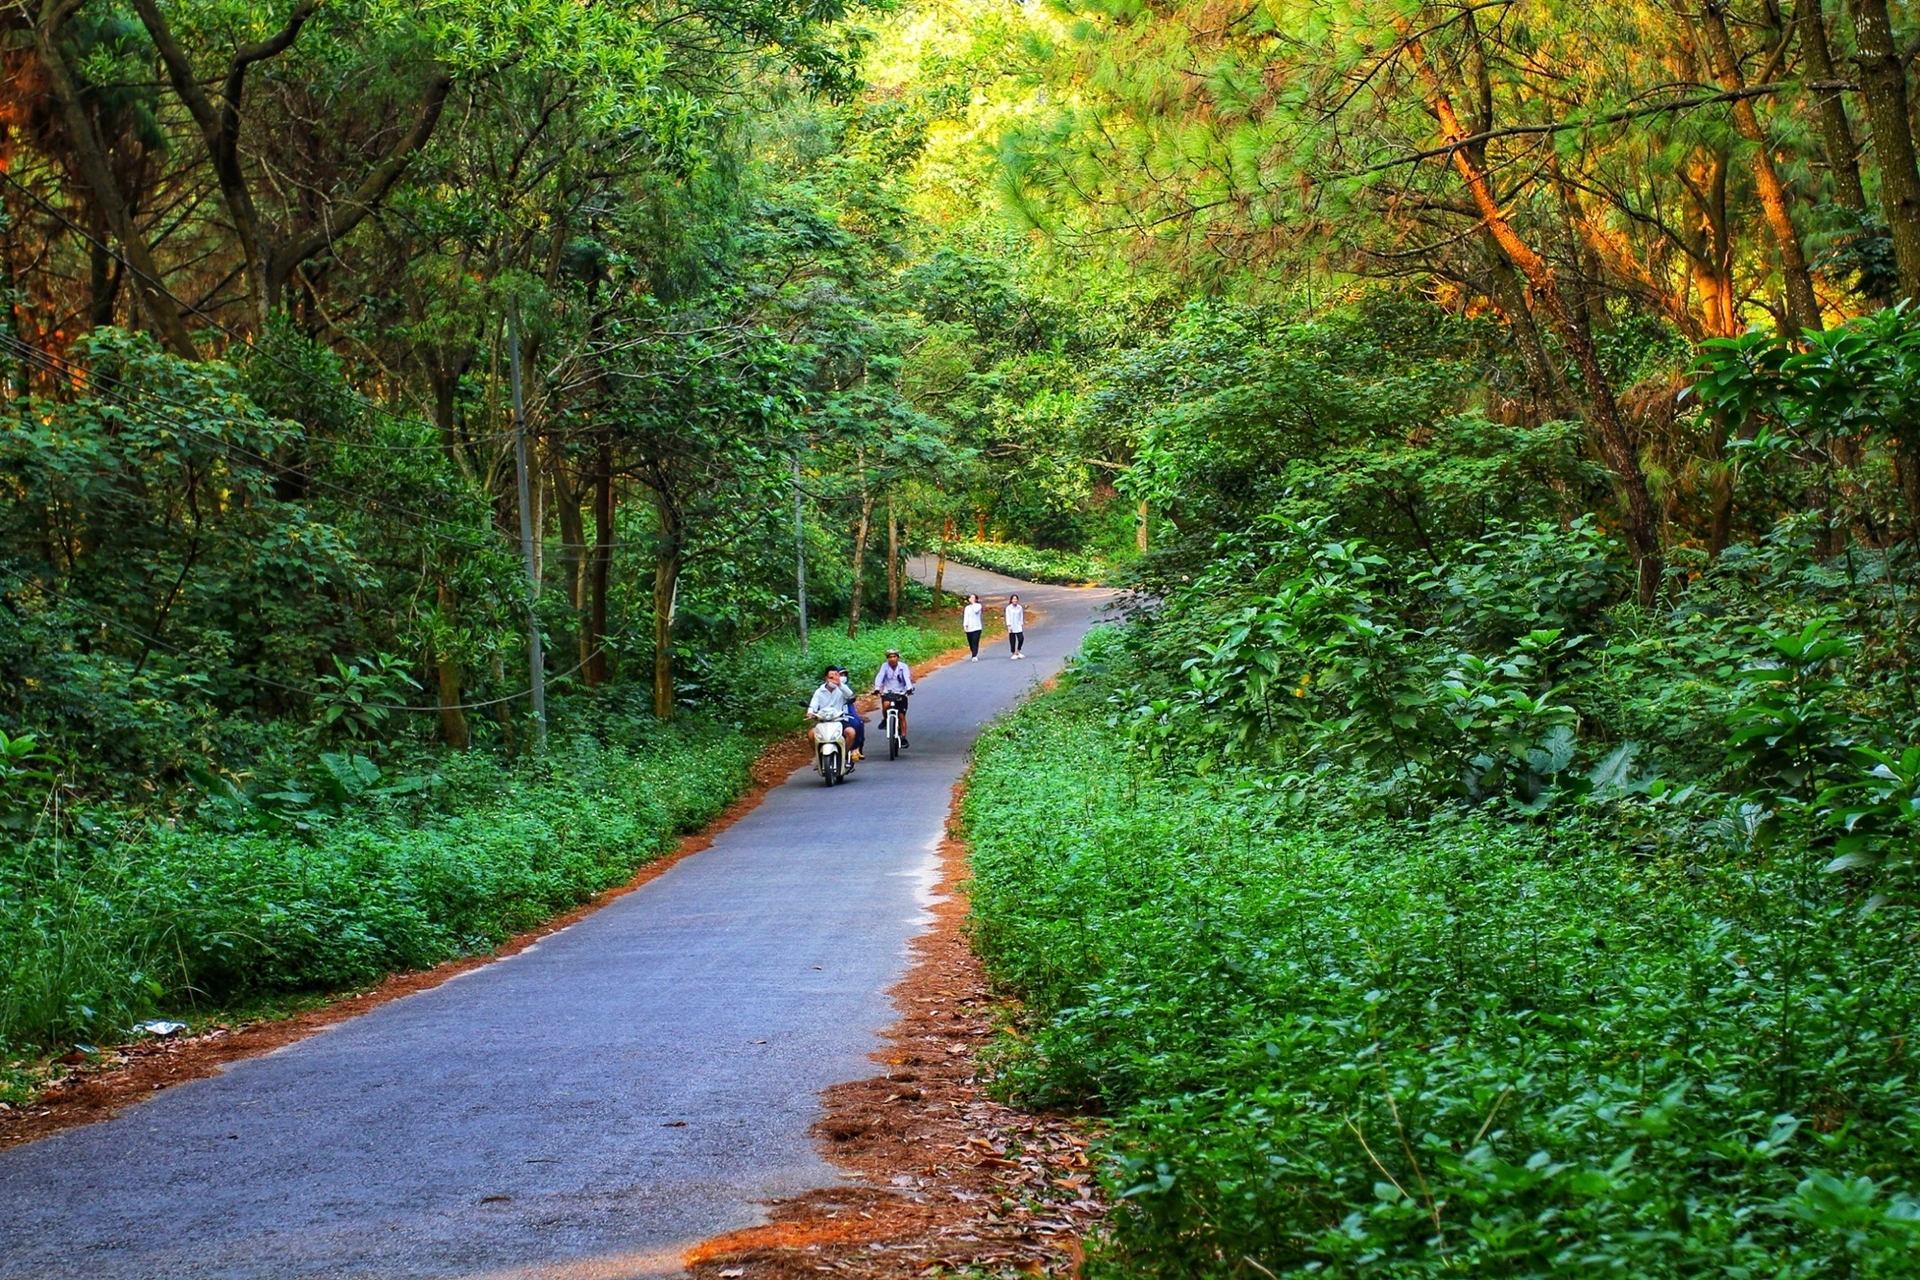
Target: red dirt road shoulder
[940, 1177]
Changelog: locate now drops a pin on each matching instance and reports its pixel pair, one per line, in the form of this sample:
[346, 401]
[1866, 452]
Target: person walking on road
[970, 622]
[1016, 625]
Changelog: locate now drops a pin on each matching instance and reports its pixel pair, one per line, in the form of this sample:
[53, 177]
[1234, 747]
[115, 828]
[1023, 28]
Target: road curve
[587, 1108]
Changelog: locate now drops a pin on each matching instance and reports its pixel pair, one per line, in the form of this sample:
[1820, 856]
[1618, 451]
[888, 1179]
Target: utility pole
[800, 553]
[536, 660]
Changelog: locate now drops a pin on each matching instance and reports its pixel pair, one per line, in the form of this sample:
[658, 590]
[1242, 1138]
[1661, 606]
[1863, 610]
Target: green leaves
[361, 697]
[1790, 725]
[1332, 1040]
[1858, 381]
[26, 777]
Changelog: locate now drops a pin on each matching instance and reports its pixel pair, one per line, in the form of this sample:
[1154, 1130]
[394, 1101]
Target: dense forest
[1485, 843]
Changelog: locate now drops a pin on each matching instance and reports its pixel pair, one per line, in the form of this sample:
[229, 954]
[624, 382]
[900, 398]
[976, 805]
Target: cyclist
[893, 682]
[831, 701]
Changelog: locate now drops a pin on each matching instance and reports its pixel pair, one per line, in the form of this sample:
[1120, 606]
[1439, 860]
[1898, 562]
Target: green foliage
[1331, 1041]
[1032, 564]
[96, 938]
[766, 686]
[337, 870]
[360, 697]
[26, 782]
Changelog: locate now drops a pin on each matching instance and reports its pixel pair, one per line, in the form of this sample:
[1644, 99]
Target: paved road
[586, 1108]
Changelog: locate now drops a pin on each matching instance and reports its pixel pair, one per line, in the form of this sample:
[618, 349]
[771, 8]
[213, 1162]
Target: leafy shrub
[1332, 1041]
[91, 942]
[1031, 564]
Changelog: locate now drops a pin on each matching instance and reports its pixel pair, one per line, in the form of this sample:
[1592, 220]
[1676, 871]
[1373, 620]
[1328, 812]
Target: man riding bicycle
[893, 683]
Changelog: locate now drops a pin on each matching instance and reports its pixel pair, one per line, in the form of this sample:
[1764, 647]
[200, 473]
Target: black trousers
[1016, 640]
[973, 643]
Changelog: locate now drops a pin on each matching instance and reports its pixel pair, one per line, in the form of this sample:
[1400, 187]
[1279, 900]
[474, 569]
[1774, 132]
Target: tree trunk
[1883, 84]
[1725, 476]
[601, 570]
[666, 579]
[1710, 258]
[893, 564]
[573, 549]
[1552, 396]
[90, 154]
[1843, 155]
[446, 665]
[103, 280]
[1642, 522]
[1140, 528]
[860, 559]
[1803, 308]
[940, 568]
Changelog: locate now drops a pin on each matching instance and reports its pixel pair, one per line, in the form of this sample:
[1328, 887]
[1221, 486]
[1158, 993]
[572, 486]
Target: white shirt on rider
[893, 677]
[830, 702]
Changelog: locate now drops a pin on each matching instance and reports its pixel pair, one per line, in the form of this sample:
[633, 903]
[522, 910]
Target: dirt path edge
[939, 1177]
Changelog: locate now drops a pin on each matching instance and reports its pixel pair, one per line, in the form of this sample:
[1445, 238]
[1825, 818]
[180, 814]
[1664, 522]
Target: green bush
[340, 872]
[1032, 564]
[168, 913]
[1332, 1041]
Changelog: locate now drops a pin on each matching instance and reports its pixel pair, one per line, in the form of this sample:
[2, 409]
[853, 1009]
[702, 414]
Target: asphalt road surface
[587, 1108]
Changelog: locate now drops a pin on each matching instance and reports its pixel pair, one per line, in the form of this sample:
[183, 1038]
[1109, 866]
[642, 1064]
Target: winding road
[589, 1107]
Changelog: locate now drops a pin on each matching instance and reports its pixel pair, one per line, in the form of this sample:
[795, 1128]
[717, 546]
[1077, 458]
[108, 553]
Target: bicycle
[893, 704]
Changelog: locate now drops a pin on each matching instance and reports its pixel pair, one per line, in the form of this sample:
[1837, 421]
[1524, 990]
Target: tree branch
[354, 209]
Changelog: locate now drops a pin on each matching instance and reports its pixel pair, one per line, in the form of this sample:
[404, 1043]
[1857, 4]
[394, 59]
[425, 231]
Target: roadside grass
[243, 907]
[1329, 1043]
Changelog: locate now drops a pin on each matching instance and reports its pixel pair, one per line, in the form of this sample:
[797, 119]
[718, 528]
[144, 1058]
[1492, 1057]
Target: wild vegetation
[1487, 844]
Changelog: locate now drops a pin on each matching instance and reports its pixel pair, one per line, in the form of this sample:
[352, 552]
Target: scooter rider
[893, 682]
[830, 702]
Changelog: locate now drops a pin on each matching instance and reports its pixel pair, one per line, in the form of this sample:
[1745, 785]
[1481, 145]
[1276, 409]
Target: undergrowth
[1032, 564]
[1335, 1040]
[334, 871]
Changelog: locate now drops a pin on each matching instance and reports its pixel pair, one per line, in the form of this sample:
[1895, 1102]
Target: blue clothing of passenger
[859, 724]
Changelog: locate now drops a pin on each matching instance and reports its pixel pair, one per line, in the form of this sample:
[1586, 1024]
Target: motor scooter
[830, 751]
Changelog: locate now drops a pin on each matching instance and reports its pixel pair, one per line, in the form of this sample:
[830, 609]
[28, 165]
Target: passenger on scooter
[831, 701]
[859, 721]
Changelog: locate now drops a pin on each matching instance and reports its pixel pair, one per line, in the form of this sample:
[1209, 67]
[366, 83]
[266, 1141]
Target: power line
[160, 287]
[321, 695]
[115, 390]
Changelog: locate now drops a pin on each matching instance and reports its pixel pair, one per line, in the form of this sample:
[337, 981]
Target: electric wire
[127, 395]
[160, 287]
[319, 695]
